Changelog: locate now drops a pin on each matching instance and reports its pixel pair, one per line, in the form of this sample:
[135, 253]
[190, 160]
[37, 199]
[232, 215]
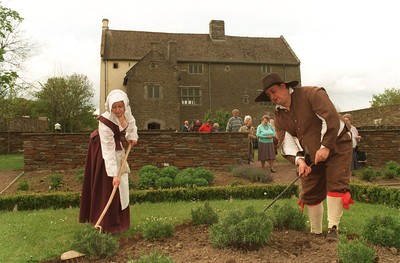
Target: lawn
[11, 162]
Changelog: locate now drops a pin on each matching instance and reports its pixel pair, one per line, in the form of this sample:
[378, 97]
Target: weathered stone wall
[11, 142]
[25, 124]
[379, 116]
[182, 150]
[381, 144]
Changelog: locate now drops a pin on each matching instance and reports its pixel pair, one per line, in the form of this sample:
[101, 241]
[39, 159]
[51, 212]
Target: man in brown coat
[310, 130]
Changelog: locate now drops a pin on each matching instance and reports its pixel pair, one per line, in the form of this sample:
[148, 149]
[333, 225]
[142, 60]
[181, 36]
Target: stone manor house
[172, 77]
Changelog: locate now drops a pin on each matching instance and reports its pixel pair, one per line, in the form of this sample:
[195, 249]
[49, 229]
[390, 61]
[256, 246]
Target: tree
[14, 49]
[388, 97]
[67, 101]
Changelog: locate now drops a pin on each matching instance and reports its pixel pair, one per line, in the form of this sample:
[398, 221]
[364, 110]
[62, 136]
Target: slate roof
[134, 45]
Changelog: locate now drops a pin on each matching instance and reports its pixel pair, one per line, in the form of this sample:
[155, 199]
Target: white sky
[350, 47]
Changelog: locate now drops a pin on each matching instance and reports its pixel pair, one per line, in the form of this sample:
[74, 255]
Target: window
[190, 95]
[265, 69]
[227, 68]
[195, 68]
[153, 91]
[115, 65]
[153, 126]
[153, 65]
[245, 99]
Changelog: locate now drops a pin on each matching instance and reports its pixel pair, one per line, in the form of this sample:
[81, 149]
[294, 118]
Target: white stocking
[315, 213]
[335, 211]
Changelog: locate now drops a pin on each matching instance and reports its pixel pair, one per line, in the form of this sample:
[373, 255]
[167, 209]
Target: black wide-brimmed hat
[270, 80]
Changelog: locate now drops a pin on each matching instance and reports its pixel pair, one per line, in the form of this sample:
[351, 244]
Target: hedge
[361, 193]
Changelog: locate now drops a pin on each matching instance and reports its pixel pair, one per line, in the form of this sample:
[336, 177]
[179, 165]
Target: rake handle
[97, 225]
[294, 181]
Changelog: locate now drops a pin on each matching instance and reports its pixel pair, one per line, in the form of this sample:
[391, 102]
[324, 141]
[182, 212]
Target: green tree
[388, 97]
[220, 116]
[67, 101]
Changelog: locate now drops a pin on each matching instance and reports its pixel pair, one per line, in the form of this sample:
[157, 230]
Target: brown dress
[97, 187]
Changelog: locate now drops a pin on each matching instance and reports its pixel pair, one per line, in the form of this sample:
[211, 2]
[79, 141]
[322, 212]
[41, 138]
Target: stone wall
[160, 148]
[11, 142]
[378, 116]
[380, 144]
[25, 124]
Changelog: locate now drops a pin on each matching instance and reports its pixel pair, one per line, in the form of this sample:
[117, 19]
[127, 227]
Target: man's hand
[304, 169]
[321, 155]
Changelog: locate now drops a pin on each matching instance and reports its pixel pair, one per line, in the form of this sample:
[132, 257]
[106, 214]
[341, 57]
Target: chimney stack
[217, 29]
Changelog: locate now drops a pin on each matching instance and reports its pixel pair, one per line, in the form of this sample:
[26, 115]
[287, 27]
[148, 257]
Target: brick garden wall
[11, 142]
[381, 144]
[68, 151]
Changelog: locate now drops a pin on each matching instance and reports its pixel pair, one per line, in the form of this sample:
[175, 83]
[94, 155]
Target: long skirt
[266, 151]
[96, 190]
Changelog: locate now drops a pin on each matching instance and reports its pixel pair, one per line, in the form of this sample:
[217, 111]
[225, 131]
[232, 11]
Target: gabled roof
[133, 45]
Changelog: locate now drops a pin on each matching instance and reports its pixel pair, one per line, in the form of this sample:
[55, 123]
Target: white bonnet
[115, 96]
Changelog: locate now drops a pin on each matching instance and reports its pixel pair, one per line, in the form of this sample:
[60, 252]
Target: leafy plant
[56, 181]
[253, 174]
[170, 171]
[368, 174]
[392, 170]
[149, 169]
[247, 230]
[92, 243]
[23, 186]
[157, 228]
[356, 251]
[204, 215]
[383, 230]
[153, 257]
[287, 216]
[80, 173]
[164, 182]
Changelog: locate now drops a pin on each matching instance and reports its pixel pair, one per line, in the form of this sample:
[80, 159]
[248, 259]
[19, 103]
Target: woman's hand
[133, 142]
[116, 181]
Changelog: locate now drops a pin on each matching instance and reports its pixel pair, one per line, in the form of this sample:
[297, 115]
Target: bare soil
[191, 243]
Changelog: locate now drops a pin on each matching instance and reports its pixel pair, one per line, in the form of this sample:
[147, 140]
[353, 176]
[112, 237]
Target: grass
[31, 236]
[11, 162]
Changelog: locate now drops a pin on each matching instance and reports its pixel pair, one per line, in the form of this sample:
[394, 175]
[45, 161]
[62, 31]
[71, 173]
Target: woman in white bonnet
[103, 162]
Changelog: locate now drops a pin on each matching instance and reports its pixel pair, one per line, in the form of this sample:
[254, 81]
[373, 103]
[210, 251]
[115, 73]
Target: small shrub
[356, 251]
[23, 186]
[153, 257]
[392, 170]
[92, 243]
[289, 217]
[383, 230]
[204, 215]
[247, 230]
[157, 228]
[147, 180]
[368, 174]
[56, 181]
[252, 174]
[79, 174]
[204, 174]
[170, 171]
[152, 169]
[164, 182]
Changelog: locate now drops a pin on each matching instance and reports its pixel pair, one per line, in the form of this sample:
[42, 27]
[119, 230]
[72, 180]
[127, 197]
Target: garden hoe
[294, 181]
[73, 256]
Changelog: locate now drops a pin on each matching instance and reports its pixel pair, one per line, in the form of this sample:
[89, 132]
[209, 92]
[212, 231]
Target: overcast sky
[350, 47]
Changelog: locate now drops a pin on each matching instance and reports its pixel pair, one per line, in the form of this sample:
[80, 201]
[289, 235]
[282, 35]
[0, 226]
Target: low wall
[182, 150]
[11, 142]
[381, 144]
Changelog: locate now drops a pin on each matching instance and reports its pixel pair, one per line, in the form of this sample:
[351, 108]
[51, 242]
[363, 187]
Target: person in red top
[310, 131]
[206, 127]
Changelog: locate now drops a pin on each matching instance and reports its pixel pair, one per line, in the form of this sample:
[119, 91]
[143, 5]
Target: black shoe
[333, 234]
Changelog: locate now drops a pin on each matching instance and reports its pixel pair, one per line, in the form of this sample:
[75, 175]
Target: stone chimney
[105, 24]
[217, 29]
[154, 46]
[172, 49]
